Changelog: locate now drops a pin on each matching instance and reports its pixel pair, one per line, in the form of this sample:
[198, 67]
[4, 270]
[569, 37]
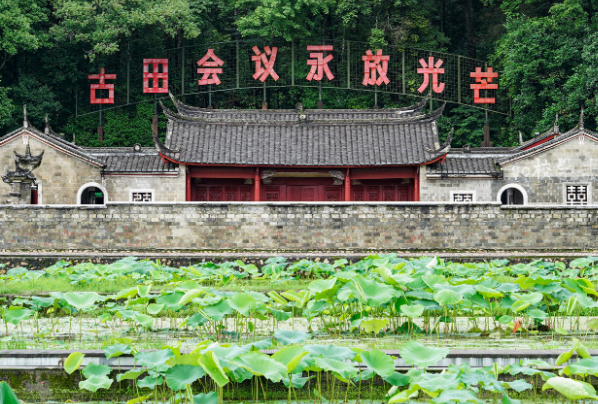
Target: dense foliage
[545, 51]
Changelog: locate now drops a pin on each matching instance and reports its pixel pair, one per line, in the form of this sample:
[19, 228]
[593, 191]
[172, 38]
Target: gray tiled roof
[353, 142]
[125, 160]
[467, 165]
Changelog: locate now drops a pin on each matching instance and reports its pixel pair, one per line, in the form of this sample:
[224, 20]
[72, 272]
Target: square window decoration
[576, 194]
[462, 196]
[142, 195]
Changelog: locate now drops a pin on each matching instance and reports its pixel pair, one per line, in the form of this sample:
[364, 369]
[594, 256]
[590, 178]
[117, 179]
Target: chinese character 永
[155, 76]
[375, 65]
[319, 63]
[434, 69]
[101, 86]
[480, 77]
[264, 67]
[210, 68]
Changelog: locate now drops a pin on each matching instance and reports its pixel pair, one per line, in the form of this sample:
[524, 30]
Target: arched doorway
[92, 194]
[512, 195]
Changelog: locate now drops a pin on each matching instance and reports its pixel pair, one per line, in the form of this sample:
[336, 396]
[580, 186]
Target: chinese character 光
[262, 72]
[319, 63]
[155, 76]
[101, 86]
[434, 70]
[375, 64]
[212, 63]
[483, 85]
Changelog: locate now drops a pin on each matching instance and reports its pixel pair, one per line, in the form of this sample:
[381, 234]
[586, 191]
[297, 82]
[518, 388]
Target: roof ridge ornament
[581, 123]
[47, 128]
[445, 147]
[520, 138]
[555, 127]
[25, 121]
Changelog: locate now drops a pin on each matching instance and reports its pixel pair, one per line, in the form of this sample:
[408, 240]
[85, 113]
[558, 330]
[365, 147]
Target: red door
[378, 191]
[302, 193]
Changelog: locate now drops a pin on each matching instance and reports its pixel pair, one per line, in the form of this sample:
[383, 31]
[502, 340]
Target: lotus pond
[197, 333]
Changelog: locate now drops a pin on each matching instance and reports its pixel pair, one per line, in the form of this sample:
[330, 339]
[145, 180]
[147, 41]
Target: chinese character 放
[375, 64]
[262, 72]
[319, 63]
[434, 70]
[101, 86]
[155, 76]
[210, 68]
[483, 85]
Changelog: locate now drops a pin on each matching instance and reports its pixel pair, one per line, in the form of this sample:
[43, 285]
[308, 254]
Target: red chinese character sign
[155, 76]
[483, 84]
[209, 66]
[264, 67]
[319, 63]
[434, 69]
[375, 65]
[101, 86]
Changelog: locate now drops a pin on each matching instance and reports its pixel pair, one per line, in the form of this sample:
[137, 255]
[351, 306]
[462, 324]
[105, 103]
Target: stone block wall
[299, 227]
[439, 189]
[167, 188]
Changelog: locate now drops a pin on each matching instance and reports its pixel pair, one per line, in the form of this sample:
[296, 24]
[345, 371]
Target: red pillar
[257, 185]
[416, 186]
[348, 186]
[188, 184]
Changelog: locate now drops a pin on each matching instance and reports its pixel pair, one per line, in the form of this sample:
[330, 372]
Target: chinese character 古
[155, 76]
[319, 63]
[483, 85]
[263, 66]
[101, 86]
[434, 70]
[375, 64]
[209, 67]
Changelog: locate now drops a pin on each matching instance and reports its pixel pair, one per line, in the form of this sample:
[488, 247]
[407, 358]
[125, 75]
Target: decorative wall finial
[520, 138]
[555, 127]
[581, 119]
[47, 128]
[25, 121]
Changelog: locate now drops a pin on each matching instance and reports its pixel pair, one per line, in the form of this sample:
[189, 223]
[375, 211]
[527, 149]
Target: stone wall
[167, 188]
[60, 175]
[439, 189]
[298, 227]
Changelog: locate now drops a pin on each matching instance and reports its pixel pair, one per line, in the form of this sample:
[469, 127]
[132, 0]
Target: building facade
[386, 155]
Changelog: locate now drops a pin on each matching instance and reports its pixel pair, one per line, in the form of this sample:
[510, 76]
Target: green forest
[546, 53]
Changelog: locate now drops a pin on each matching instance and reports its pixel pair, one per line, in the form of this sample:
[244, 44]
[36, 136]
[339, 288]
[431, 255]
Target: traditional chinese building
[379, 155]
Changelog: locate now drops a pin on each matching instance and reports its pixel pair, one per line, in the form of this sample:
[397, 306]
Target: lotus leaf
[171, 300]
[202, 398]
[464, 290]
[189, 296]
[331, 351]
[150, 382]
[94, 383]
[144, 320]
[414, 353]
[262, 365]
[197, 320]
[244, 303]
[15, 316]
[488, 293]
[7, 395]
[81, 300]
[593, 323]
[397, 379]
[297, 382]
[155, 308]
[583, 367]
[209, 362]
[343, 370]
[130, 375]
[290, 356]
[154, 359]
[280, 315]
[447, 297]
[138, 399]
[179, 376]
[456, 396]
[572, 389]
[73, 362]
[218, 311]
[94, 369]
[322, 285]
[433, 383]
[537, 314]
[518, 385]
[287, 337]
[379, 362]
[413, 311]
[371, 292]
[261, 344]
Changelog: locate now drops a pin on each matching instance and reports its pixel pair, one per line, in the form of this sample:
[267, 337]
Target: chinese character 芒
[434, 70]
[264, 67]
[319, 63]
[375, 64]
[210, 68]
[155, 76]
[101, 86]
[482, 84]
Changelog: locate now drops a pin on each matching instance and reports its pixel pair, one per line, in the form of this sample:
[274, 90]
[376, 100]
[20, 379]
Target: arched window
[512, 194]
[92, 194]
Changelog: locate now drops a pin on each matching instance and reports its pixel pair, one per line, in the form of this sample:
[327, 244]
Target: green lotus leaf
[287, 337]
[202, 398]
[397, 379]
[280, 315]
[447, 297]
[290, 356]
[412, 311]
[371, 292]
[262, 365]
[593, 324]
[537, 363]
[189, 296]
[171, 301]
[572, 389]
[15, 316]
[331, 351]
[179, 376]
[197, 320]
[138, 400]
[155, 308]
[343, 370]
[488, 293]
[379, 362]
[150, 382]
[130, 375]
[7, 395]
[81, 300]
[154, 359]
[373, 325]
[322, 285]
[582, 367]
[414, 353]
[116, 350]
[218, 311]
[439, 382]
[43, 301]
[297, 382]
[209, 362]
[144, 290]
[537, 314]
[518, 385]
[94, 369]
[144, 320]
[244, 303]
[73, 362]
[261, 344]
[94, 383]
[457, 396]
[564, 357]
[585, 301]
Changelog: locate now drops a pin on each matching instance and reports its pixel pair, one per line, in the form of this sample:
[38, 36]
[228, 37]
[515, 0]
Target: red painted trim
[257, 186]
[140, 174]
[552, 146]
[416, 187]
[348, 186]
[200, 172]
[388, 174]
[539, 142]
